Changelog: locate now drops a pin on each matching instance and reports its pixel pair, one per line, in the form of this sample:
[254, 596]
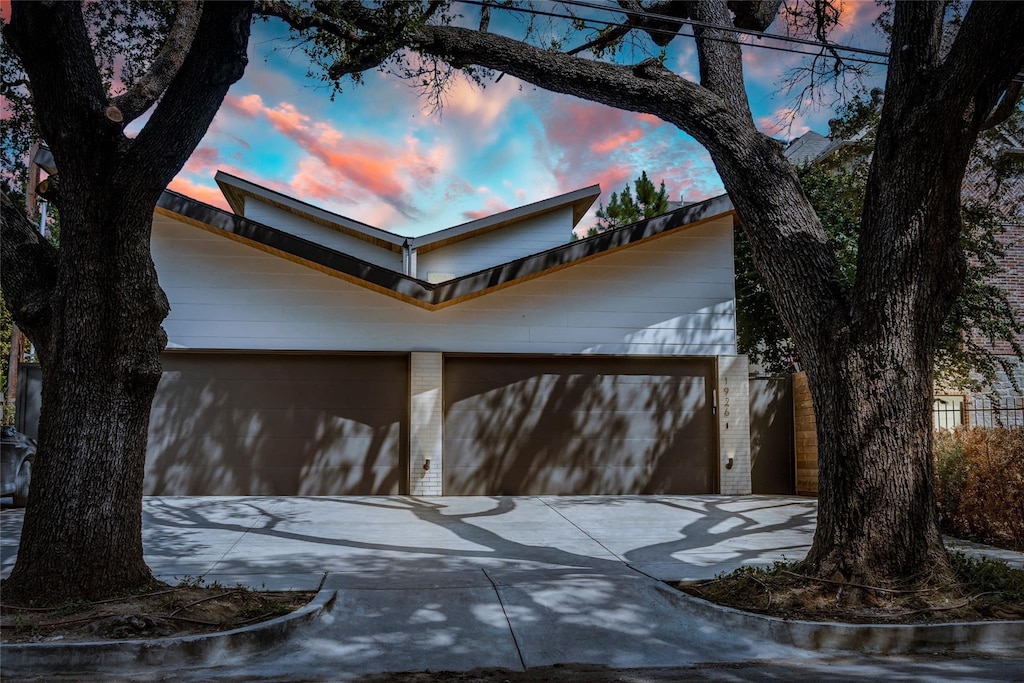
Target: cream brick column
[734, 425]
[425, 423]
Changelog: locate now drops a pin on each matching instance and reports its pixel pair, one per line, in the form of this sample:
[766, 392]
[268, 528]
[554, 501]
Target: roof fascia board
[542, 263]
[419, 292]
[581, 200]
[286, 244]
[234, 186]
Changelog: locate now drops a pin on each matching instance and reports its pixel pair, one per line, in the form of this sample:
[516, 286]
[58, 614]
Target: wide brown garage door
[556, 425]
[263, 424]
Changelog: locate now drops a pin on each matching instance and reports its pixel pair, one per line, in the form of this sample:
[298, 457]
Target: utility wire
[701, 24]
[705, 24]
[692, 22]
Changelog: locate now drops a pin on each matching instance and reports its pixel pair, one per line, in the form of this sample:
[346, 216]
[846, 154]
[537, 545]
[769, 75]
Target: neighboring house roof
[419, 292]
[812, 146]
[236, 190]
[807, 148]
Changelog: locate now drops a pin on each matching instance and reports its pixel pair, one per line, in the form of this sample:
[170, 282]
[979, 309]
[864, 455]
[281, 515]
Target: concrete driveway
[290, 542]
[458, 583]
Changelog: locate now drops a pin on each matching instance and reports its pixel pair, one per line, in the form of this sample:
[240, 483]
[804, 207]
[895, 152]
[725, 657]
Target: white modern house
[311, 354]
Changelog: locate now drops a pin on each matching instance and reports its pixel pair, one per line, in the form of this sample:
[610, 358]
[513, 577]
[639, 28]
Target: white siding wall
[300, 227]
[498, 246]
[673, 295]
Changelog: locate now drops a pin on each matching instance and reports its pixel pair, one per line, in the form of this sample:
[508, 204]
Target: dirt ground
[980, 591]
[161, 612]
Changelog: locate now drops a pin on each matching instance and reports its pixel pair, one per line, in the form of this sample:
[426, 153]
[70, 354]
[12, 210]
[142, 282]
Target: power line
[702, 24]
[692, 22]
[705, 24]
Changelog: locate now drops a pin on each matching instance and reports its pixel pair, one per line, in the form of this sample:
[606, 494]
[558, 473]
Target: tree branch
[485, 17]
[915, 42]
[933, 110]
[751, 15]
[216, 60]
[984, 58]
[755, 15]
[1007, 105]
[168, 61]
[721, 57]
[28, 271]
[301, 21]
[67, 91]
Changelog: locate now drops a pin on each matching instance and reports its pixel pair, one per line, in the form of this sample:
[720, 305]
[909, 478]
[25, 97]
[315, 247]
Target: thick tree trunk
[94, 309]
[877, 515]
[870, 368]
[100, 372]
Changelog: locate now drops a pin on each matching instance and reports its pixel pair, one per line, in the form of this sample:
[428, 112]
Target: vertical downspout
[408, 258]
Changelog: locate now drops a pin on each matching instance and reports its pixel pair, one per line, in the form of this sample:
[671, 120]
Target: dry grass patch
[980, 479]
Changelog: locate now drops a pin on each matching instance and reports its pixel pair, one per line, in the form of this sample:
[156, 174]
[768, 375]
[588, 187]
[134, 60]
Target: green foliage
[624, 209]
[987, 576]
[982, 315]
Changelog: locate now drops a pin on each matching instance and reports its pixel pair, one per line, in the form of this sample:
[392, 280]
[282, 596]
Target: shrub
[980, 479]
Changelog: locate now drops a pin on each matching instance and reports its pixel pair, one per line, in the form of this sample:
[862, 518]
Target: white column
[734, 425]
[426, 419]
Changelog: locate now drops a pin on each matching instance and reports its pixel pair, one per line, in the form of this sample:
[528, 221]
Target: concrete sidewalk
[459, 583]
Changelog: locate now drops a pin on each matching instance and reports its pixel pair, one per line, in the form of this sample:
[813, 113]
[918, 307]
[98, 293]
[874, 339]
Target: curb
[194, 650]
[972, 637]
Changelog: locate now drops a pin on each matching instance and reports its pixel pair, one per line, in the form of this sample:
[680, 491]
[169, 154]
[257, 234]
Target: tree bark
[100, 370]
[95, 309]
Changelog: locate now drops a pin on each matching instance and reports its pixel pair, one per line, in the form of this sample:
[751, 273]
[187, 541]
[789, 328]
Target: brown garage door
[261, 424]
[556, 425]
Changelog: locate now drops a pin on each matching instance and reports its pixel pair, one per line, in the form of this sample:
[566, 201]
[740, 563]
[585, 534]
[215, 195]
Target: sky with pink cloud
[379, 154]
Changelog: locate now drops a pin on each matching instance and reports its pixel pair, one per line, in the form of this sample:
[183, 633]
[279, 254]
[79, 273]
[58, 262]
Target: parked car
[16, 454]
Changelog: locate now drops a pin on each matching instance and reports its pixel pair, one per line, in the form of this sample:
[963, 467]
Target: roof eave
[581, 200]
[417, 292]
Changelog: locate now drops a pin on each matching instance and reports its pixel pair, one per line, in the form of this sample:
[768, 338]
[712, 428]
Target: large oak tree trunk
[877, 516]
[94, 308]
[100, 371]
[869, 369]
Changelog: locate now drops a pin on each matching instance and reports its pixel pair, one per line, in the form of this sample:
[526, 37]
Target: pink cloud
[248, 105]
[615, 177]
[465, 99]
[589, 140]
[346, 166]
[856, 15]
[204, 193]
[784, 122]
[205, 160]
[492, 206]
[456, 189]
[617, 141]
[309, 183]
[590, 143]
